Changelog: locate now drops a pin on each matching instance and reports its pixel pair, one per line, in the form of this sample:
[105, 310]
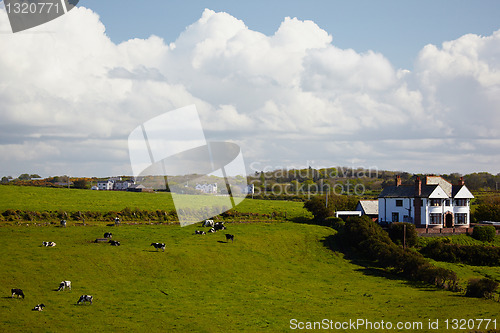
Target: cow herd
[214, 227]
[62, 286]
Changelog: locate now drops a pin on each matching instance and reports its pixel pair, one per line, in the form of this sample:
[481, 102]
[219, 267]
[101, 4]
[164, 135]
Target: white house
[207, 188]
[105, 185]
[435, 203]
[122, 185]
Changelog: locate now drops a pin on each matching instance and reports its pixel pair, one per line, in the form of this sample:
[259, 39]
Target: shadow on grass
[368, 267]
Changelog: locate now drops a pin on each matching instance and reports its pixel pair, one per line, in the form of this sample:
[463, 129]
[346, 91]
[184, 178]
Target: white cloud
[292, 96]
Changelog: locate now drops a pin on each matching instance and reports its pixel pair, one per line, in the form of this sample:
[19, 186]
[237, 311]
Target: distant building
[105, 185]
[435, 203]
[114, 183]
[122, 185]
[207, 188]
[249, 189]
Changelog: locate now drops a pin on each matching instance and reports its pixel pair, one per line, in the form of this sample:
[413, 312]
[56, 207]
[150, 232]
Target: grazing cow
[199, 232]
[52, 244]
[63, 223]
[114, 243]
[64, 284]
[229, 237]
[208, 223]
[17, 292]
[108, 235]
[38, 307]
[212, 230]
[158, 246]
[85, 298]
[117, 221]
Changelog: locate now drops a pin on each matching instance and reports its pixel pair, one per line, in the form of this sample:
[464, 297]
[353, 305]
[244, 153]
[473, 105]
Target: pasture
[272, 273]
[29, 198]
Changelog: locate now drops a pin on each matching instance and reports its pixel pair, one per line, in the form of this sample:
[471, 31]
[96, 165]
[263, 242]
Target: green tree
[80, 183]
[24, 176]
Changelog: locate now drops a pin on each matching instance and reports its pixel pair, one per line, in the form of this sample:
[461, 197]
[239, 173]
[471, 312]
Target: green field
[29, 198]
[272, 273]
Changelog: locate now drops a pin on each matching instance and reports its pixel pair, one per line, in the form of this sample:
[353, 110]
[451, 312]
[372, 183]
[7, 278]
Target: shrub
[481, 288]
[399, 235]
[368, 237]
[484, 233]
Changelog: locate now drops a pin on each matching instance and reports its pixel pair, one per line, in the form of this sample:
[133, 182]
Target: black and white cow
[64, 284]
[52, 244]
[158, 246]
[117, 221]
[212, 230]
[63, 223]
[108, 235]
[17, 292]
[85, 298]
[199, 232]
[114, 243]
[208, 223]
[219, 226]
[38, 307]
[229, 237]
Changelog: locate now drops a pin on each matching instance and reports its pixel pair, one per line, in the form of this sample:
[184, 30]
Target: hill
[271, 274]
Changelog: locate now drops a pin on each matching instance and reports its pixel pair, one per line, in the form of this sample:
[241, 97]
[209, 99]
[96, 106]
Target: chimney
[418, 187]
[461, 181]
[398, 180]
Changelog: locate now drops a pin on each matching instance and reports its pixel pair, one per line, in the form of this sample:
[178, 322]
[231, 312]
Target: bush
[484, 233]
[477, 255]
[368, 237]
[397, 233]
[481, 288]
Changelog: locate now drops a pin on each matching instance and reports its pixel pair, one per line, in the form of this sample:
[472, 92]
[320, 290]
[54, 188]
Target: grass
[462, 239]
[29, 198]
[273, 272]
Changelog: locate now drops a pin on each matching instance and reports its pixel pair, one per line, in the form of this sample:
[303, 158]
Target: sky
[386, 85]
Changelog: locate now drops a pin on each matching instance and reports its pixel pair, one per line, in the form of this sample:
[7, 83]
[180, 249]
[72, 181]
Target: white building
[105, 185]
[369, 208]
[122, 185]
[207, 188]
[433, 204]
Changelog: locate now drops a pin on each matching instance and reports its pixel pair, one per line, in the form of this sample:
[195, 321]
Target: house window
[399, 203]
[395, 217]
[461, 202]
[447, 202]
[461, 218]
[435, 218]
[435, 202]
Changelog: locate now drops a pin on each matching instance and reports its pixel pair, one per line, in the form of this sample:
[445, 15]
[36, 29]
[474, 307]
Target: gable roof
[461, 192]
[369, 207]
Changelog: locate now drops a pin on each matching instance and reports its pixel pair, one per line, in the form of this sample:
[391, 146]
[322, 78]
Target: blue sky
[388, 85]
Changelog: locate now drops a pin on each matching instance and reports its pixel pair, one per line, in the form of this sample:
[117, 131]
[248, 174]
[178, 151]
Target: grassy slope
[31, 198]
[269, 275]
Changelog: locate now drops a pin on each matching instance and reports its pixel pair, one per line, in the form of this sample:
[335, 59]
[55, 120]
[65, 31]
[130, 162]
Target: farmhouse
[207, 188]
[433, 203]
[114, 183]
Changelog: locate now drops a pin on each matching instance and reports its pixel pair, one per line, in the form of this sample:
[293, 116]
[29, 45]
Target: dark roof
[406, 191]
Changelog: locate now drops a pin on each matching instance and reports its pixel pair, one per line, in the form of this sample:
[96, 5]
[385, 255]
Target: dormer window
[399, 203]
